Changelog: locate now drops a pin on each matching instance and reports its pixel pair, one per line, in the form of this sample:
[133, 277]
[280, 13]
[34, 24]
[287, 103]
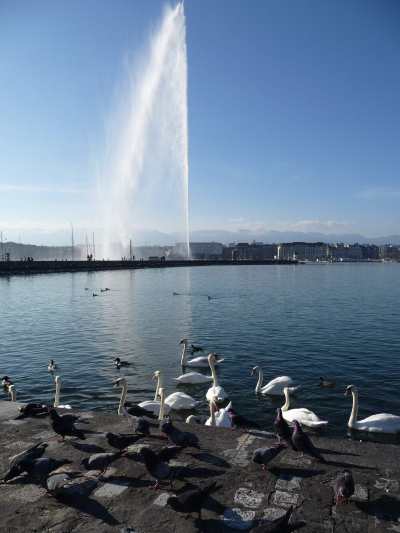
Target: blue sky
[294, 111]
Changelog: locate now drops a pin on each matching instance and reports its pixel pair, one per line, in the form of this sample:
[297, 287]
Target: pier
[8, 268]
[122, 500]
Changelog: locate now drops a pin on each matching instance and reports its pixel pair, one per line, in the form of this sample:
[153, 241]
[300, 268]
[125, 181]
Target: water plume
[144, 182]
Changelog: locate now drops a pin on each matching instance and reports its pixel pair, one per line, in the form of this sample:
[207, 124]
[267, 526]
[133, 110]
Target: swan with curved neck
[379, 423]
[154, 405]
[275, 386]
[124, 391]
[304, 416]
[215, 392]
[57, 381]
[177, 400]
[201, 361]
[219, 417]
[162, 405]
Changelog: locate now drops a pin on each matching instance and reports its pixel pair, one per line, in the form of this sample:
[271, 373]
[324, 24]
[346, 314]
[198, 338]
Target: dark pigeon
[263, 456]
[20, 462]
[282, 427]
[156, 466]
[32, 410]
[121, 441]
[178, 437]
[240, 421]
[279, 525]
[64, 425]
[344, 487]
[39, 469]
[302, 443]
[141, 425]
[192, 501]
[136, 410]
[100, 461]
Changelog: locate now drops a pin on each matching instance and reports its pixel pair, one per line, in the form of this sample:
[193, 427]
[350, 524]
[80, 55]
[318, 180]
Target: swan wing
[382, 422]
[304, 416]
[216, 392]
[193, 377]
[198, 361]
[276, 386]
[180, 400]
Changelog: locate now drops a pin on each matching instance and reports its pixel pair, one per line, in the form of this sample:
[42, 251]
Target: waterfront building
[254, 251]
[303, 251]
[199, 250]
[346, 252]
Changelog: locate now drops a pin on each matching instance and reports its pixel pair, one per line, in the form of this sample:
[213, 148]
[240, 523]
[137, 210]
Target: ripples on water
[337, 321]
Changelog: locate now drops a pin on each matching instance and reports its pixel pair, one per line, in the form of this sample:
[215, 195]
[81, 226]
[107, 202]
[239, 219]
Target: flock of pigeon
[51, 473]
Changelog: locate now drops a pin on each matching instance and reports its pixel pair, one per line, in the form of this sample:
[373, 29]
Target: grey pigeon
[191, 501]
[32, 410]
[282, 427]
[263, 456]
[100, 461]
[19, 462]
[302, 443]
[120, 440]
[64, 425]
[141, 425]
[178, 437]
[67, 484]
[279, 525]
[39, 469]
[344, 487]
[156, 467]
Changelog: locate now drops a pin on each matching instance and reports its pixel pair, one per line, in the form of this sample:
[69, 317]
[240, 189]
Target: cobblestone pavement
[122, 499]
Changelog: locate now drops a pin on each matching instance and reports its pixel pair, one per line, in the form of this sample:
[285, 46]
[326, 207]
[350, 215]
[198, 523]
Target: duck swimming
[326, 384]
[52, 366]
[118, 363]
[201, 361]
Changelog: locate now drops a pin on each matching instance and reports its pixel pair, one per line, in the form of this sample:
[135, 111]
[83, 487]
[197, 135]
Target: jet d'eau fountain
[144, 179]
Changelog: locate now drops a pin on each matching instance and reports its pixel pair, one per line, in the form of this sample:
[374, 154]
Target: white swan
[304, 416]
[177, 400]
[215, 392]
[162, 405]
[52, 366]
[201, 361]
[275, 386]
[12, 392]
[57, 381]
[380, 423]
[193, 378]
[220, 418]
[154, 405]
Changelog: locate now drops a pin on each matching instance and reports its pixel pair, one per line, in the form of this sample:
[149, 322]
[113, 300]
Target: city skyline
[293, 114]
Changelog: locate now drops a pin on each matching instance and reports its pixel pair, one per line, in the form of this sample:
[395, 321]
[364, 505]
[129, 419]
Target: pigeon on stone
[240, 421]
[32, 410]
[120, 440]
[263, 456]
[156, 466]
[67, 484]
[100, 461]
[192, 501]
[64, 425]
[141, 425]
[344, 487]
[178, 437]
[136, 410]
[39, 469]
[282, 427]
[279, 525]
[302, 443]
[19, 462]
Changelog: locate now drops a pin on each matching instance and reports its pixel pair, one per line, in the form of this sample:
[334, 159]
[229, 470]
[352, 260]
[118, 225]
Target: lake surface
[339, 321]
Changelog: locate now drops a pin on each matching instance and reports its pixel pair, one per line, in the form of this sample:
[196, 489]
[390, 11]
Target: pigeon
[141, 425]
[65, 484]
[178, 437]
[156, 466]
[344, 487]
[20, 462]
[39, 469]
[279, 525]
[192, 501]
[120, 440]
[64, 425]
[282, 427]
[240, 421]
[32, 410]
[100, 461]
[136, 410]
[263, 456]
[302, 443]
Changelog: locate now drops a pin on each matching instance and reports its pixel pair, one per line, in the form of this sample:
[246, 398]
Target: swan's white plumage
[180, 400]
[379, 423]
[303, 415]
[215, 392]
[193, 378]
[275, 386]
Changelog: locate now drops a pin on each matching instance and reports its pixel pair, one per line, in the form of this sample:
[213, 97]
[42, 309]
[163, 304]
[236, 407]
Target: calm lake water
[339, 321]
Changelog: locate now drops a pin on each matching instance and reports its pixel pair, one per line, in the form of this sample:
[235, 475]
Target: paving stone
[288, 483]
[238, 518]
[161, 501]
[240, 455]
[178, 464]
[272, 513]
[296, 460]
[248, 498]
[285, 499]
[27, 493]
[110, 490]
[44, 435]
[386, 484]
[360, 494]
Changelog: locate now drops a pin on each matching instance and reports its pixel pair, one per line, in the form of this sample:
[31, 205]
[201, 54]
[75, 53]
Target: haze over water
[337, 321]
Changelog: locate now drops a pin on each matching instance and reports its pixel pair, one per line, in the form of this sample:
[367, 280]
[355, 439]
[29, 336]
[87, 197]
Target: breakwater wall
[8, 268]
